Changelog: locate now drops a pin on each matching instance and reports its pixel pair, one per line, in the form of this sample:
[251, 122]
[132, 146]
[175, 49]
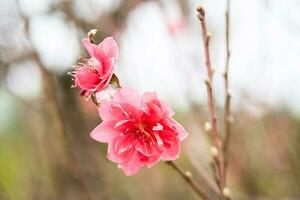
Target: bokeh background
[45, 148]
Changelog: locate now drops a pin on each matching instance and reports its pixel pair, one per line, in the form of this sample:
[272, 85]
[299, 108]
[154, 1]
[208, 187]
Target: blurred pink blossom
[94, 74]
[176, 25]
[139, 130]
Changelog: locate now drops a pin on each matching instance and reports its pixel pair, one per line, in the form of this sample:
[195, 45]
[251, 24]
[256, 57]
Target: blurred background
[45, 148]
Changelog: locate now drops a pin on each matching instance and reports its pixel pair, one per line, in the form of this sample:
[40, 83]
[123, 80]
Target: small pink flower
[139, 130]
[95, 73]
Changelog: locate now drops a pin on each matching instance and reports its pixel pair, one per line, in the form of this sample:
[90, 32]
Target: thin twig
[188, 178]
[228, 119]
[212, 129]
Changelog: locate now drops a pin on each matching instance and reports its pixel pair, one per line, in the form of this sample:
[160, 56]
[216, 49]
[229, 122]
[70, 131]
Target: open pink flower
[139, 130]
[95, 73]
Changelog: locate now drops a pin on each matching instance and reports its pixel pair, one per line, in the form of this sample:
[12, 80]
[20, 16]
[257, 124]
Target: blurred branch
[228, 119]
[4, 68]
[188, 178]
[113, 21]
[56, 113]
[211, 127]
[19, 58]
[26, 103]
[203, 175]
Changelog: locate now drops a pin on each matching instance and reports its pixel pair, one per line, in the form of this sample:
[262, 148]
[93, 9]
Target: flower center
[94, 64]
[142, 134]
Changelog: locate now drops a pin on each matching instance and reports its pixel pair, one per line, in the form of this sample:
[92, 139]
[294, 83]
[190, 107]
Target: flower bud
[214, 151]
[188, 174]
[207, 127]
[227, 192]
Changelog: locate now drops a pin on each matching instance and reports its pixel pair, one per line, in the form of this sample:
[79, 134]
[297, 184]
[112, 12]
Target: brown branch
[228, 119]
[212, 127]
[188, 178]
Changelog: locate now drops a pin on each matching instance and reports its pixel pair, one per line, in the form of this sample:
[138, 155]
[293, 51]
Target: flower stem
[189, 180]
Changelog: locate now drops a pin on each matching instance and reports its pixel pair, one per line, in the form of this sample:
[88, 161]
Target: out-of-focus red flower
[139, 130]
[94, 74]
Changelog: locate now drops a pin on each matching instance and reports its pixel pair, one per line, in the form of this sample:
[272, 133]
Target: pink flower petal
[105, 132]
[166, 109]
[110, 48]
[182, 133]
[90, 47]
[133, 165]
[152, 160]
[171, 148]
[148, 97]
[152, 113]
[110, 110]
[86, 79]
[119, 153]
[127, 95]
[144, 148]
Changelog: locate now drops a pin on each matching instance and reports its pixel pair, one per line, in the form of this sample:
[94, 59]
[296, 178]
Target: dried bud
[200, 9]
[207, 127]
[214, 151]
[200, 12]
[227, 192]
[91, 34]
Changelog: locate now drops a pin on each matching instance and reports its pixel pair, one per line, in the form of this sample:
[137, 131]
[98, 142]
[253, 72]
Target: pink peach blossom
[95, 73]
[139, 130]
